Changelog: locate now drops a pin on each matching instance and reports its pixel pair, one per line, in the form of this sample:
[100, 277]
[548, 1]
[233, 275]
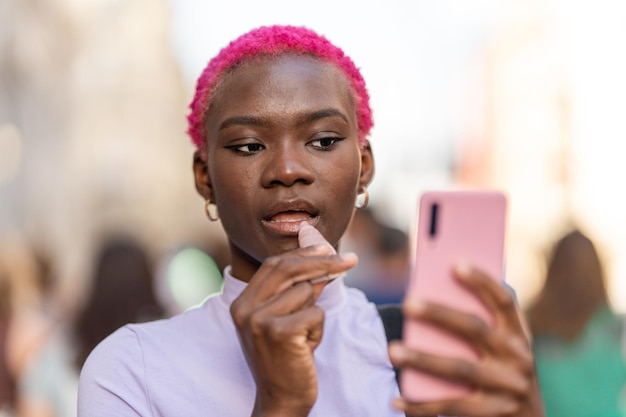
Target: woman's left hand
[503, 379]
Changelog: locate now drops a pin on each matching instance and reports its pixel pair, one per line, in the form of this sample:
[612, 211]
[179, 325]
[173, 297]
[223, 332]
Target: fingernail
[321, 249]
[398, 403]
[397, 352]
[413, 306]
[349, 256]
[463, 270]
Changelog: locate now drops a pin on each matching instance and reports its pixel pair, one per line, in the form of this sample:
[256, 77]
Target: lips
[284, 218]
[290, 216]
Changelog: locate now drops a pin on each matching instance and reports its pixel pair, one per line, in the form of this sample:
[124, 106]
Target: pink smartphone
[453, 227]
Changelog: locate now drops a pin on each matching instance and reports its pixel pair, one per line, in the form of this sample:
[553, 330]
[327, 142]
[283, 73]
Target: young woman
[280, 119]
[577, 337]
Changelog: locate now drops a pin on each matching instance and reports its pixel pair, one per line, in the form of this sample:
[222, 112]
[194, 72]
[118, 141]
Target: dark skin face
[282, 147]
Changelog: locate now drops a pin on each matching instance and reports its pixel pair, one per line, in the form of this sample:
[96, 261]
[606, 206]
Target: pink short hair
[275, 41]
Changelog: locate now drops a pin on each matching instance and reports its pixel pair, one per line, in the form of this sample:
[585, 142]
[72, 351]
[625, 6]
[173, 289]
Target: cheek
[232, 186]
[343, 177]
[342, 182]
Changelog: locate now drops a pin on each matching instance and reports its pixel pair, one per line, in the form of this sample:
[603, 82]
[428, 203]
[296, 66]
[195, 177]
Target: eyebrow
[242, 121]
[320, 114]
[301, 120]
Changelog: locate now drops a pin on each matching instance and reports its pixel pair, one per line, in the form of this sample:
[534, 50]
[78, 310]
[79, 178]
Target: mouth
[284, 218]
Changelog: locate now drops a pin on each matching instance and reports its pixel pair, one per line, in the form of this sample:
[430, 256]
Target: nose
[286, 165]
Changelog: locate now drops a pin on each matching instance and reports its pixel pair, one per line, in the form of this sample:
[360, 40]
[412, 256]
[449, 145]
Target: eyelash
[238, 148]
[328, 147]
[259, 147]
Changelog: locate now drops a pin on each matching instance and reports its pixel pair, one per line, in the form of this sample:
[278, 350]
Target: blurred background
[528, 97]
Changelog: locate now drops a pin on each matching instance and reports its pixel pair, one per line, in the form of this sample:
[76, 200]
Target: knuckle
[238, 313]
[477, 326]
[258, 324]
[306, 288]
[449, 409]
[318, 312]
[523, 355]
[519, 385]
[528, 366]
[524, 387]
[507, 301]
[511, 407]
[466, 371]
[273, 261]
[309, 292]
[278, 331]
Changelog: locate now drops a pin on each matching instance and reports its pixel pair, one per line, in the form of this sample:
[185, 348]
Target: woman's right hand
[503, 379]
[280, 326]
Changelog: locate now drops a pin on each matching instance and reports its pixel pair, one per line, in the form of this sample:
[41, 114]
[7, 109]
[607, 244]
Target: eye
[326, 143]
[246, 148]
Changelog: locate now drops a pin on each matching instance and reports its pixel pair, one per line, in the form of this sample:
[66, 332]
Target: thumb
[310, 236]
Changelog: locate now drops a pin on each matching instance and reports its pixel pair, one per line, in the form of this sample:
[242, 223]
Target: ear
[367, 166]
[201, 176]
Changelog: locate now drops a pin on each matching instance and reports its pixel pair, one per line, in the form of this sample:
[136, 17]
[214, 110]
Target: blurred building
[92, 127]
[552, 94]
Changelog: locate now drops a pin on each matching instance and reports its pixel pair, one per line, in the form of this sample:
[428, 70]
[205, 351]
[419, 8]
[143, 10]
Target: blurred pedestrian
[41, 379]
[121, 292]
[383, 251]
[577, 337]
[7, 379]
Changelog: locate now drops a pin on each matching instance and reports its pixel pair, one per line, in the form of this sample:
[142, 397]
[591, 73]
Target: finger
[311, 319]
[465, 325]
[461, 324]
[489, 375]
[505, 306]
[476, 405]
[295, 298]
[309, 236]
[501, 302]
[281, 272]
[302, 328]
[482, 336]
[505, 310]
[493, 294]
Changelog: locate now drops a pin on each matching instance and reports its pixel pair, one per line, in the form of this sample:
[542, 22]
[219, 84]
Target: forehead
[281, 86]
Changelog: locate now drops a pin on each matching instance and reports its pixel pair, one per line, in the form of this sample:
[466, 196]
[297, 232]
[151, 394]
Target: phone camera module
[434, 211]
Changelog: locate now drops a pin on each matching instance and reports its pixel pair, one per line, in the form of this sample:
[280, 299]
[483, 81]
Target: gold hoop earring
[366, 199]
[211, 211]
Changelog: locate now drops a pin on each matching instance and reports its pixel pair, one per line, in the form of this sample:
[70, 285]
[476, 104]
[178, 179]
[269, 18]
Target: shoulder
[111, 377]
[133, 340]
[115, 377]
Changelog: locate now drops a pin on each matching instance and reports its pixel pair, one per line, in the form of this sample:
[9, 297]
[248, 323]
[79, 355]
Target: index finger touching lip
[316, 250]
[310, 236]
